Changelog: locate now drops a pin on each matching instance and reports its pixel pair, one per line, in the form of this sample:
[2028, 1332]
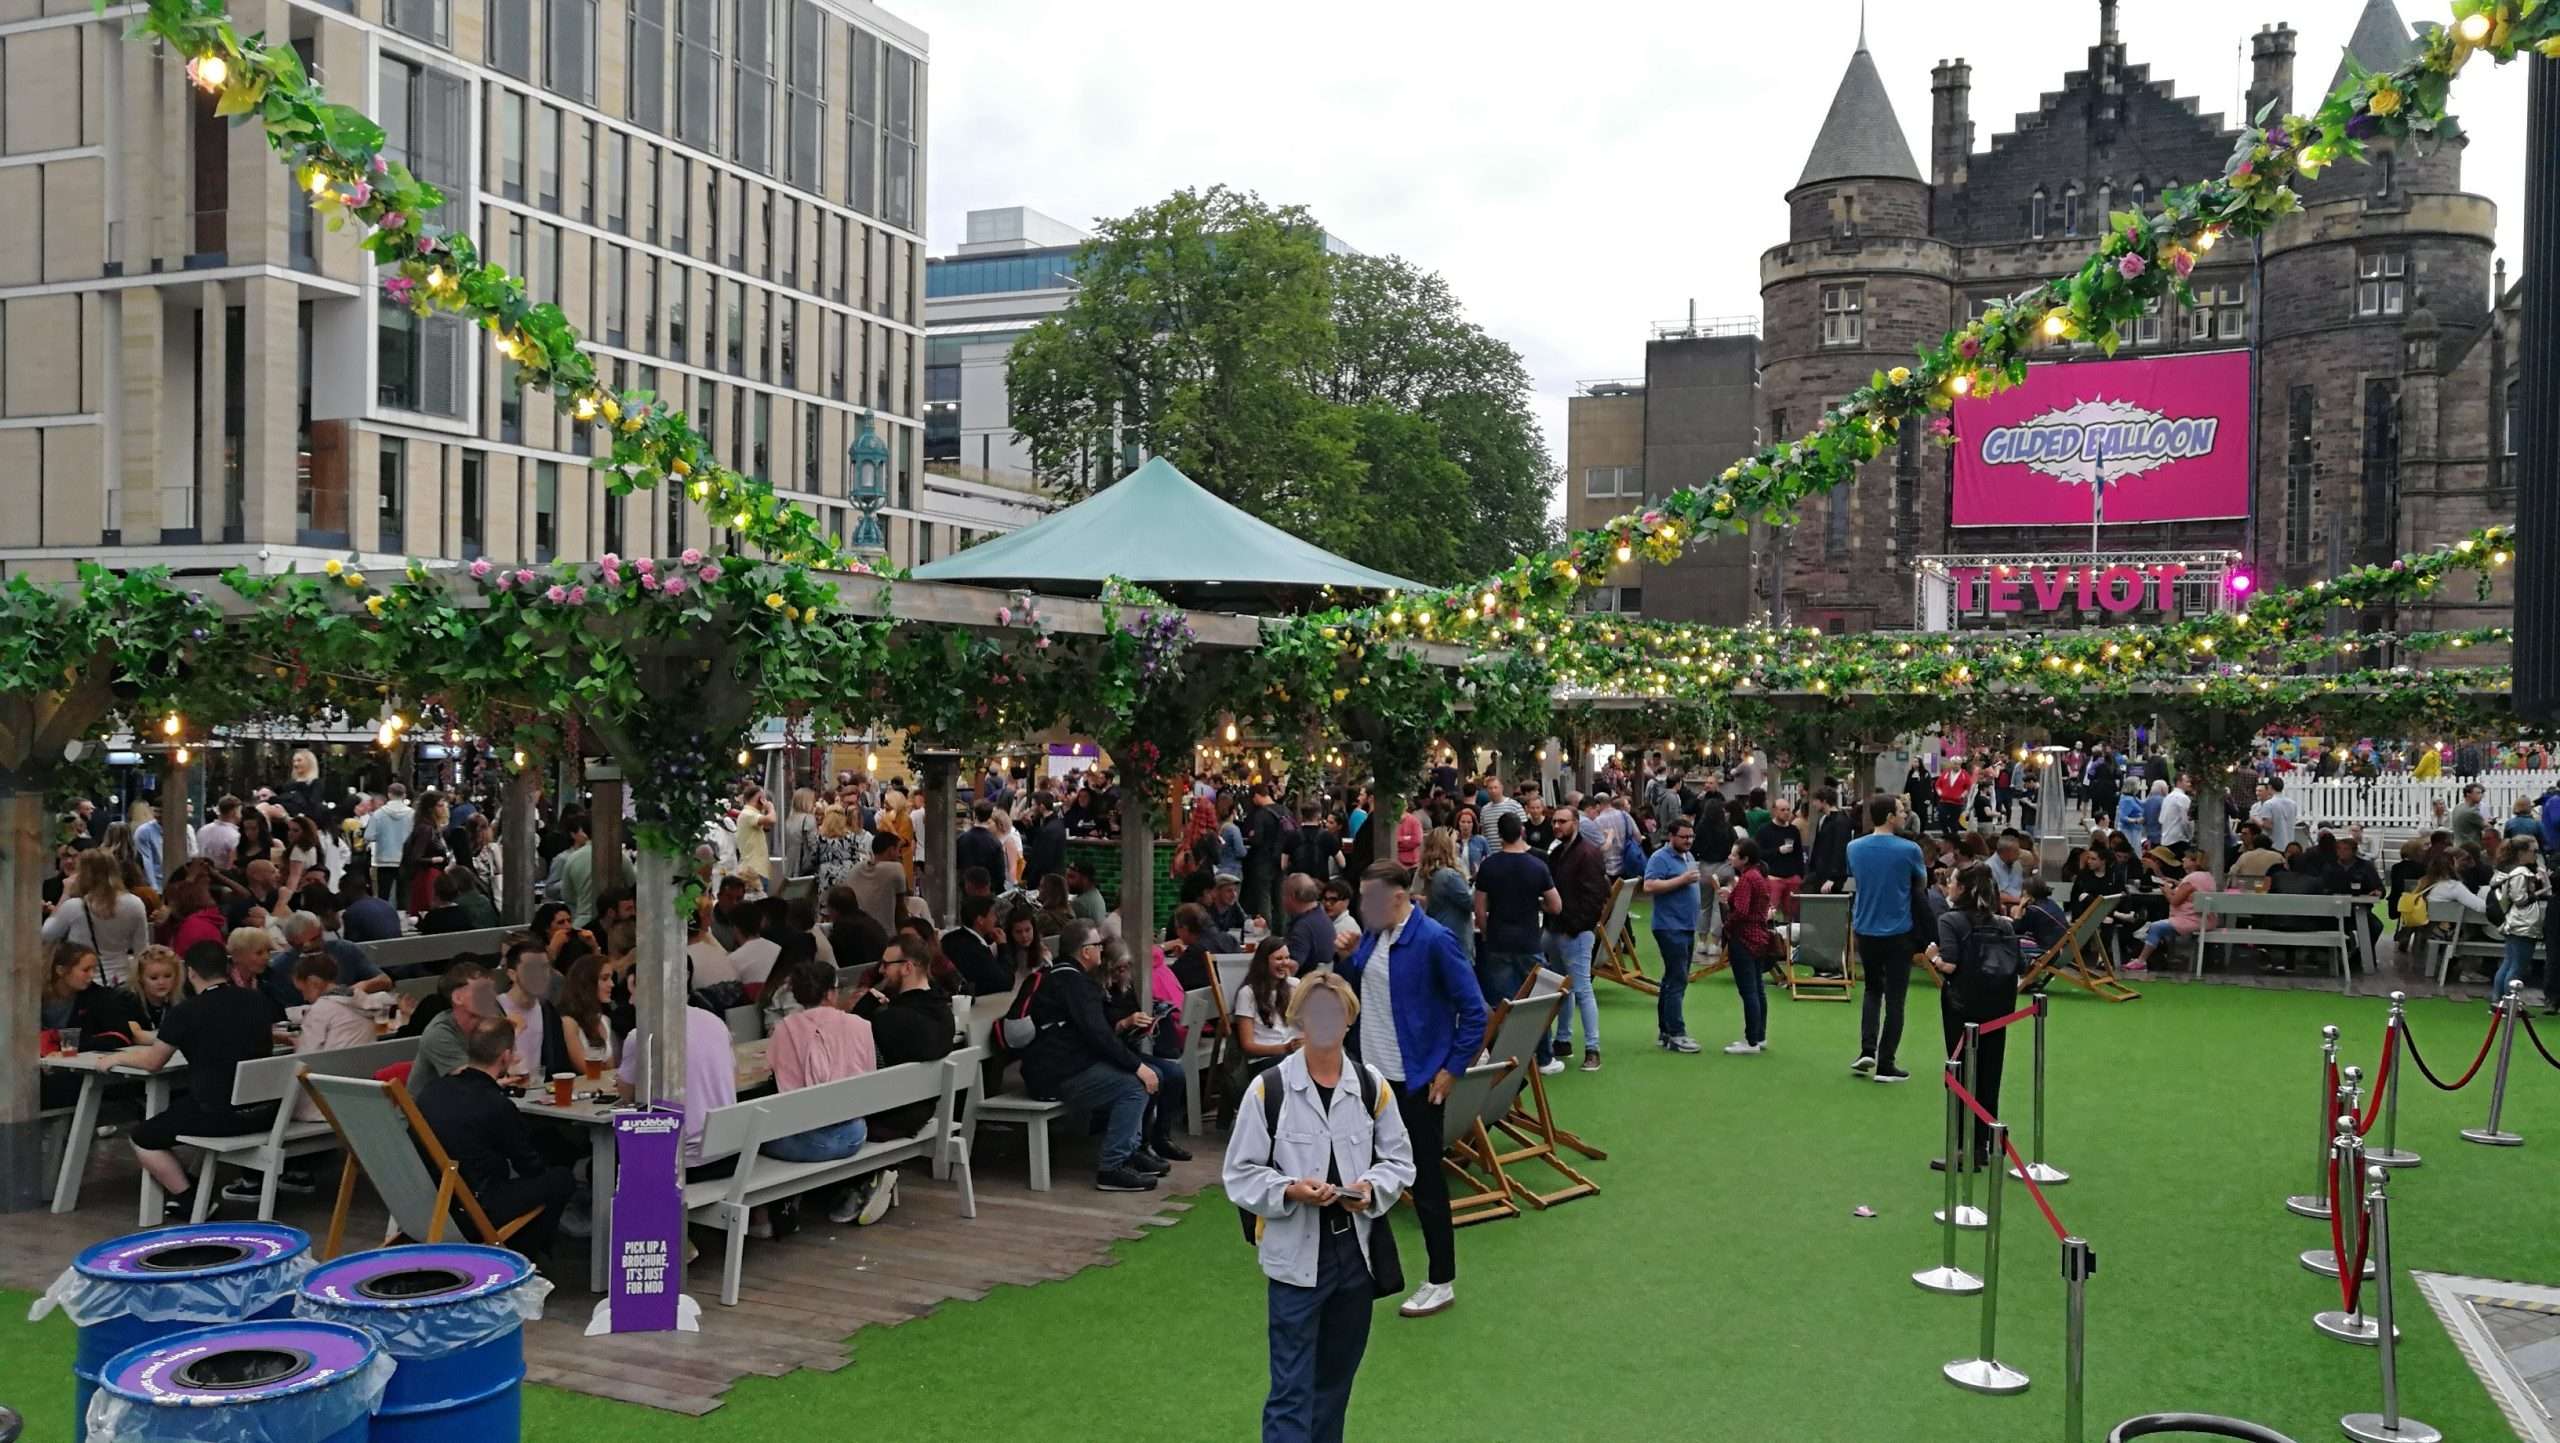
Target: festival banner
[2166, 438]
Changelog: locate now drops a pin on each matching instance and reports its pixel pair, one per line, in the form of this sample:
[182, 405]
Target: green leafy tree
[1344, 398]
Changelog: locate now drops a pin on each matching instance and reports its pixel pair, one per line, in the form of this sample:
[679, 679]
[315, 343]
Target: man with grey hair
[304, 932]
[443, 1047]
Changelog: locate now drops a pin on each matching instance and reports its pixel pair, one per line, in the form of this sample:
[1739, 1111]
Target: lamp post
[2537, 482]
[869, 489]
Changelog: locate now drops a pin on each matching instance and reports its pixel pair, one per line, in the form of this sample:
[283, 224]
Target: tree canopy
[1344, 397]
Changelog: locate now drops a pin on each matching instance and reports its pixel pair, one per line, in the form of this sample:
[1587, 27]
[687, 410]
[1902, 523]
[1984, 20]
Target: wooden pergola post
[604, 826]
[939, 847]
[523, 847]
[1137, 877]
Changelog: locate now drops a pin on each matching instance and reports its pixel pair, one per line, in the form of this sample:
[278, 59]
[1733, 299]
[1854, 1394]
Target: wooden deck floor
[803, 1301]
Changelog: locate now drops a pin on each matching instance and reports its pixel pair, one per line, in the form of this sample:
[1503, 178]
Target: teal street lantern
[870, 486]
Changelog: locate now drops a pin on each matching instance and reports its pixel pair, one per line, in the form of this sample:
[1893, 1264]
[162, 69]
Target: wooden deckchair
[1474, 1199]
[1515, 1036]
[1615, 953]
[2081, 956]
[1822, 940]
[384, 1135]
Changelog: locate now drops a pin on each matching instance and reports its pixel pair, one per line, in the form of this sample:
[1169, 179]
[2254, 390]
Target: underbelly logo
[2075, 443]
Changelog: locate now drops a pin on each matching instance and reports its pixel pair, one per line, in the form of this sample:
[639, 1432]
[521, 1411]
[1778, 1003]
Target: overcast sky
[1578, 172]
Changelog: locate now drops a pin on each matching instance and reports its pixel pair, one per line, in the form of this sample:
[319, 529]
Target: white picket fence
[2392, 809]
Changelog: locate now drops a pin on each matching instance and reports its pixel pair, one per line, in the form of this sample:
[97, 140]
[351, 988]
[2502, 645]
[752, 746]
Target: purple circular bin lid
[482, 1270]
[130, 1258]
[149, 1373]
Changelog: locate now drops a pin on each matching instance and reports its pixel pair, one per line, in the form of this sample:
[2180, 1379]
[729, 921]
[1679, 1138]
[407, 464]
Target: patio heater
[869, 490]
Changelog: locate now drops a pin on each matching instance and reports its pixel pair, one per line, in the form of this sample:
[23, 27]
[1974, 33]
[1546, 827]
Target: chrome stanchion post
[2396, 1031]
[2079, 1261]
[2350, 1102]
[1946, 1277]
[2512, 1006]
[2351, 1325]
[1987, 1374]
[2037, 1168]
[2315, 1203]
[1968, 1217]
[2386, 1426]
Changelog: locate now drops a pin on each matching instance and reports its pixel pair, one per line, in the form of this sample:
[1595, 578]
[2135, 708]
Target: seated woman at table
[2184, 920]
[1260, 1007]
[220, 1027]
[793, 951]
[151, 987]
[818, 1043]
[192, 918]
[2040, 920]
[586, 1007]
[74, 999]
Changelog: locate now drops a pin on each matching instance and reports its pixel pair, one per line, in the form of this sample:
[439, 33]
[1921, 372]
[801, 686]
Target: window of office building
[782, 244]
[390, 495]
[761, 459]
[729, 217]
[678, 285]
[546, 263]
[420, 363]
[616, 513]
[546, 510]
[751, 61]
[2302, 409]
[427, 20]
[676, 509]
[424, 128]
[1844, 321]
[646, 105]
[546, 155]
[616, 166]
[475, 505]
[811, 448]
[2382, 279]
[786, 361]
[698, 73]
[569, 48]
[1597, 481]
[649, 304]
[2381, 467]
[511, 37]
[862, 133]
[510, 107]
[806, 106]
[898, 170]
[616, 301]
[677, 178]
[733, 325]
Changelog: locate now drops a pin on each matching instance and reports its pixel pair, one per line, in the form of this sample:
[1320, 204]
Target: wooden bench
[2228, 918]
[742, 1129]
[413, 955]
[1016, 1109]
[2472, 935]
[1201, 1043]
[277, 1080]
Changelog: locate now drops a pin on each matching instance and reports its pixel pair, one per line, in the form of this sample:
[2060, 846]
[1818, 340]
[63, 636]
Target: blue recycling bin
[452, 1316]
[277, 1380]
[131, 1290]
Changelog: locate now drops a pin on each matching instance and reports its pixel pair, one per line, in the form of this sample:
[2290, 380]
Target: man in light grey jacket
[1319, 1192]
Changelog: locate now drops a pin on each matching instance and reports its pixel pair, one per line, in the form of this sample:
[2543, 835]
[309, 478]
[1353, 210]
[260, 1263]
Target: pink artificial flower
[711, 572]
[524, 578]
[1969, 347]
[1042, 643]
[612, 577]
[2247, 167]
[1004, 616]
[480, 570]
[577, 596]
[609, 561]
[646, 564]
[400, 289]
[648, 581]
[692, 556]
[381, 166]
[506, 579]
[393, 220]
[1942, 426]
[556, 595]
[2183, 263]
[675, 586]
[360, 192]
[2132, 265]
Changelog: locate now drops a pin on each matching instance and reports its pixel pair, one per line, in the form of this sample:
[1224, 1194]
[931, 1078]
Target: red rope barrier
[2021, 1015]
[2381, 1076]
[2033, 1191]
[2429, 1073]
[2527, 1019]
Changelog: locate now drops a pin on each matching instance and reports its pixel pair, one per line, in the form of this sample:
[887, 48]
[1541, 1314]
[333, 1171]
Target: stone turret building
[2386, 330]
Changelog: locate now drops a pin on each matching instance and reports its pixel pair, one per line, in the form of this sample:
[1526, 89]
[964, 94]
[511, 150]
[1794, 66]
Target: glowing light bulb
[2474, 28]
[740, 520]
[169, 725]
[586, 408]
[520, 759]
[1231, 731]
[211, 71]
[1961, 385]
[319, 183]
[184, 756]
[744, 758]
[435, 278]
[871, 761]
[2054, 324]
[2207, 239]
[1625, 552]
[701, 489]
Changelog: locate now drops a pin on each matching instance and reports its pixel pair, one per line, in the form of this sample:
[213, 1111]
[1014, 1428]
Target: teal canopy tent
[1160, 529]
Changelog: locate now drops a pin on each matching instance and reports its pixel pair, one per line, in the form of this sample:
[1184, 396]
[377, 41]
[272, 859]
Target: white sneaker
[1865, 1066]
[1742, 1049]
[1428, 1299]
[883, 1197]
[1551, 1066]
[1682, 1043]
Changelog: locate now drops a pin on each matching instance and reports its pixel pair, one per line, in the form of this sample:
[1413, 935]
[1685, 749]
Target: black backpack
[1991, 951]
[1272, 1096]
[1015, 1032]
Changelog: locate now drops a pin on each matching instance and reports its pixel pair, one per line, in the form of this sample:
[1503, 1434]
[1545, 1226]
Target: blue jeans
[1571, 955]
[820, 1144]
[1676, 949]
[1748, 980]
[2519, 960]
[1318, 1335]
[1500, 975]
[1104, 1091]
[2160, 934]
[1168, 1094]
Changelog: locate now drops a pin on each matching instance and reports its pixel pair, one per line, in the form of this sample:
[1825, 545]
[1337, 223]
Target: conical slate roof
[1860, 137]
[1161, 529]
[2381, 41]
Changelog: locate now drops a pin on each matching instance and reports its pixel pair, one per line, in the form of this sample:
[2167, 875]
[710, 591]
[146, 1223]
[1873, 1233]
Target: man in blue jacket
[1422, 1020]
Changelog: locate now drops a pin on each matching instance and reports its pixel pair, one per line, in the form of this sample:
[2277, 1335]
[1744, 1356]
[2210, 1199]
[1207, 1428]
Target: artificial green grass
[1719, 1287]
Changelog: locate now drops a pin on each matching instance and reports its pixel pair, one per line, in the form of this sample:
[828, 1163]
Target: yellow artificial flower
[1898, 375]
[334, 567]
[773, 599]
[612, 411]
[679, 467]
[355, 578]
[373, 604]
[2550, 47]
[2386, 101]
[791, 613]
